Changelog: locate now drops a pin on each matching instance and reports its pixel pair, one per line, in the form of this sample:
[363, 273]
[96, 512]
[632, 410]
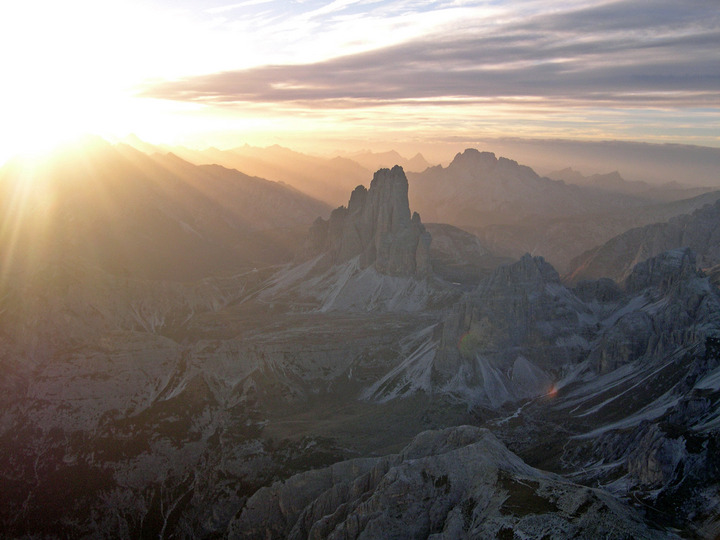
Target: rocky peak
[663, 270]
[527, 273]
[472, 159]
[377, 226]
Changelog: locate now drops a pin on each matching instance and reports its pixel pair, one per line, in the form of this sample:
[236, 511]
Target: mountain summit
[377, 227]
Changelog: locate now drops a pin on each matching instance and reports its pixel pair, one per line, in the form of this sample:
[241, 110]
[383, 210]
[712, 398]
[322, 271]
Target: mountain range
[155, 216]
[615, 259]
[190, 351]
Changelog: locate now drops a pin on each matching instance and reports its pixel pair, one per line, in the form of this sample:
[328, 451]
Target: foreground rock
[456, 483]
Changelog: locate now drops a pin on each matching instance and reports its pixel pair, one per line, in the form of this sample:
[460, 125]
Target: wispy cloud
[237, 5]
[622, 53]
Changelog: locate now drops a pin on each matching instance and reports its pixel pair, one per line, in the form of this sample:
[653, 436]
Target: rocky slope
[640, 414]
[521, 333]
[160, 407]
[501, 343]
[186, 404]
[699, 231]
[608, 384]
[456, 483]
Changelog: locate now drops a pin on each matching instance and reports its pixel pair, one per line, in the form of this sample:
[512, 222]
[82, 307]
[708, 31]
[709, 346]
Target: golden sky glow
[357, 71]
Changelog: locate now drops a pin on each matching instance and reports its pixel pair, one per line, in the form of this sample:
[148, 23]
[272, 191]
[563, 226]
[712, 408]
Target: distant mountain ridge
[654, 163]
[158, 216]
[615, 259]
[386, 160]
[328, 180]
[478, 189]
[613, 182]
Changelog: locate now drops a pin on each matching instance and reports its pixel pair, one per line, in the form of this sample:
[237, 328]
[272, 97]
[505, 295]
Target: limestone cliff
[377, 227]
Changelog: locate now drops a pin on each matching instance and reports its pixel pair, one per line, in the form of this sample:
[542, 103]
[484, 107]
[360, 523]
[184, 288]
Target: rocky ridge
[522, 334]
[478, 189]
[613, 182]
[615, 259]
[456, 483]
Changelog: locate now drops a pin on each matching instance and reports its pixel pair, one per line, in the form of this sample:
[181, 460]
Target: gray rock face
[512, 310]
[456, 483]
[700, 231]
[602, 290]
[685, 307]
[460, 257]
[663, 271]
[654, 460]
[522, 333]
[627, 340]
[377, 226]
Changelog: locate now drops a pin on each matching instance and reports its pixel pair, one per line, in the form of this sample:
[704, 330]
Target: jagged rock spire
[377, 226]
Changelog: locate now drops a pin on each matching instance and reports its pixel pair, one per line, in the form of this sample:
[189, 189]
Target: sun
[51, 91]
[75, 68]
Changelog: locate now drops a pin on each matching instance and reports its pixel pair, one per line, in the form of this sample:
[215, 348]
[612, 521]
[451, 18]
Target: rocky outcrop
[506, 337]
[377, 227]
[460, 257]
[700, 231]
[456, 483]
[663, 271]
[677, 307]
[507, 309]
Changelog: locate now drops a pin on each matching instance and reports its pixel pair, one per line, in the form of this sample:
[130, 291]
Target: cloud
[237, 5]
[621, 53]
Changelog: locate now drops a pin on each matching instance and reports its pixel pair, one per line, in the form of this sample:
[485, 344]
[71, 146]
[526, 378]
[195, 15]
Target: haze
[360, 269]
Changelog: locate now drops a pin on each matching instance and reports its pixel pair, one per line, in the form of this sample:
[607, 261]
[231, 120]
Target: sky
[358, 72]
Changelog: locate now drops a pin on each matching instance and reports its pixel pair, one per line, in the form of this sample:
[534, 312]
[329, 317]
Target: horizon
[324, 77]
[653, 163]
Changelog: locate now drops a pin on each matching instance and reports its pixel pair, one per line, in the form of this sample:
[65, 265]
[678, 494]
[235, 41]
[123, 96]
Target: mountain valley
[189, 351]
